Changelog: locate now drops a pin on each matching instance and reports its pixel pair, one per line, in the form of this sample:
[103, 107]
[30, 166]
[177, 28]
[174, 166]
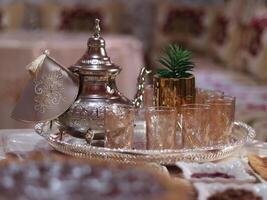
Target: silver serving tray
[241, 134]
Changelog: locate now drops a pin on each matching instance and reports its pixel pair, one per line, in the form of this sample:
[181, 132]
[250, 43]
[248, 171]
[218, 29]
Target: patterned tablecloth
[17, 49]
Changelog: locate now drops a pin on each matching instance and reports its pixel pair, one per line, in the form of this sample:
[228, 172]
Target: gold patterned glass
[195, 125]
[119, 126]
[222, 118]
[160, 127]
[203, 94]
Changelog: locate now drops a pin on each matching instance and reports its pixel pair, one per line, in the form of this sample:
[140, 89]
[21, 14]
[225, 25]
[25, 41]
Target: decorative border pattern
[48, 91]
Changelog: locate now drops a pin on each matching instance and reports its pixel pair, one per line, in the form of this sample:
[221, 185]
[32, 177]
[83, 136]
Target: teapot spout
[138, 100]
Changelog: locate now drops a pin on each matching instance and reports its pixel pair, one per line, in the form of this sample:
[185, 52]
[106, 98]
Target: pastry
[233, 194]
[212, 175]
[259, 165]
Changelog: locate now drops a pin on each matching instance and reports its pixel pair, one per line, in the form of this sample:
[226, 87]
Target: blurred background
[228, 39]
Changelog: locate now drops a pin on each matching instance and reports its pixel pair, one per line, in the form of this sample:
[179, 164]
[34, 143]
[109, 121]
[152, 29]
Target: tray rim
[166, 156]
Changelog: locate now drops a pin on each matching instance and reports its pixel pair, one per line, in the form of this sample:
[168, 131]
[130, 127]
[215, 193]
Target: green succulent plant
[177, 63]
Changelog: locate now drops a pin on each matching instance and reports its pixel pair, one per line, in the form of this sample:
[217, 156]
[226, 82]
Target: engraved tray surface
[241, 134]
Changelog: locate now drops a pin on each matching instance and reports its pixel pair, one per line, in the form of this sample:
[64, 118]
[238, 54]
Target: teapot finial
[97, 28]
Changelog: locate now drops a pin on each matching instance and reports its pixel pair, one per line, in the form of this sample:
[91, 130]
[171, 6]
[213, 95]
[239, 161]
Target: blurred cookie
[259, 165]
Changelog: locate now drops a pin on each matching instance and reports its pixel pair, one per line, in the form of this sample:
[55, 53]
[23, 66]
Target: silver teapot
[75, 97]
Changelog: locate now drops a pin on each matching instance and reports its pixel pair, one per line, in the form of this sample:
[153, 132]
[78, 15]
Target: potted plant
[174, 84]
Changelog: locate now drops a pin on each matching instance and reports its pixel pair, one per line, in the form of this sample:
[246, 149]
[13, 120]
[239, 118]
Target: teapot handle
[139, 96]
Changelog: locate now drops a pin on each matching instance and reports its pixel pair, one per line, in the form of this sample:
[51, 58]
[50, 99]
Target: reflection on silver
[141, 80]
[241, 134]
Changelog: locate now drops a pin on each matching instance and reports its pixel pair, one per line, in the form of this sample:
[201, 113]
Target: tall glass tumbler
[223, 113]
[195, 125]
[160, 127]
[119, 126]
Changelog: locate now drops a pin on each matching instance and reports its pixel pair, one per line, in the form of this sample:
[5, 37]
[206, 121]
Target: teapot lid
[95, 58]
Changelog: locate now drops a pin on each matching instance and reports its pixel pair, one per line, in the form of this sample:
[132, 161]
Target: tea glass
[203, 94]
[160, 127]
[119, 126]
[222, 118]
[195, 125]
